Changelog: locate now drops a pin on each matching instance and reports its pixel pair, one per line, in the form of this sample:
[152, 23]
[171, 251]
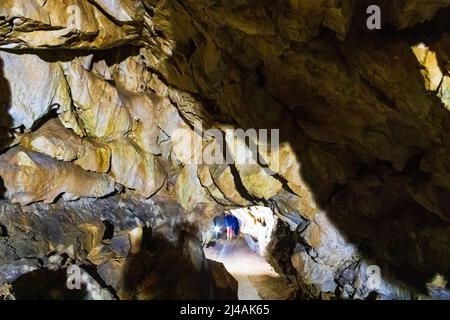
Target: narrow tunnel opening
[239, 239]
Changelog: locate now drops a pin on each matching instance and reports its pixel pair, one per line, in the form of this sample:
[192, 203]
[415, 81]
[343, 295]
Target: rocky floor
[256, 278]
[125, 249]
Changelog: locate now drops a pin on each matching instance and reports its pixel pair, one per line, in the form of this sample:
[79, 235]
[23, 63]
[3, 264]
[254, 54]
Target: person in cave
[232, 225]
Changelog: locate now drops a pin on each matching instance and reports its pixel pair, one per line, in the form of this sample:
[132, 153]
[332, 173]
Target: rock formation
[94, 96]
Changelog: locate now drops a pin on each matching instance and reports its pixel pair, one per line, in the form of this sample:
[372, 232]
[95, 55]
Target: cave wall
[93, 97]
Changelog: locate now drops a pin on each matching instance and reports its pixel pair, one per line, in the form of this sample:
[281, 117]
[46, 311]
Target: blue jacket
[233, 222]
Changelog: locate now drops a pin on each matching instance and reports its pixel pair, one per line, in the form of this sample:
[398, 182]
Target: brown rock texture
[94, 96]
[131, 252]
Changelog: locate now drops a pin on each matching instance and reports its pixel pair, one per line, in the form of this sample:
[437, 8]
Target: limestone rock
[54, 140]
[135, 169]
[226, 287]
[259, 181]
[444, 92]
[80, 25]
[360, 178]
[189, 191]
[432, 72]
[138, 269]
[409, 13]
[259, 223]
[123, 10]
[60, 143]
[31, 176]
[31, 87]
[95, 96]
[219, 181]
[96, 157]
[207, 182]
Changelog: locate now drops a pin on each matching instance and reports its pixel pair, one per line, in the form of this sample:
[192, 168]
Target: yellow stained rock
[259, 182]
[60, 143]
[444, 92]
[30, 88]
[77, 24]
[189, 191]
[30, 176]
[54, 140]
[134, 168]
[93, 96]
[219, 181]
[431, 71]
[96, 157]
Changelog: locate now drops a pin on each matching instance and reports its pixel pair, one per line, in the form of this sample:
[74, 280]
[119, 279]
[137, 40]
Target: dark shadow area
[2, 189]
[45, 284]
[374, 204]
[52, 114]
[109, 230]
[92, 271]
[5, 104]
[164, 270]
[5, 118]
[66, 55]
[3, 231]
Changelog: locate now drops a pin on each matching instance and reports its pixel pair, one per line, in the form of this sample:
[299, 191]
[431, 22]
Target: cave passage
[244, 255]
[127, 125]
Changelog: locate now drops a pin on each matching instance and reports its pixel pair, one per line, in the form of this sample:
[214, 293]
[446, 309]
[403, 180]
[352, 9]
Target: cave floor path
[256, 278]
